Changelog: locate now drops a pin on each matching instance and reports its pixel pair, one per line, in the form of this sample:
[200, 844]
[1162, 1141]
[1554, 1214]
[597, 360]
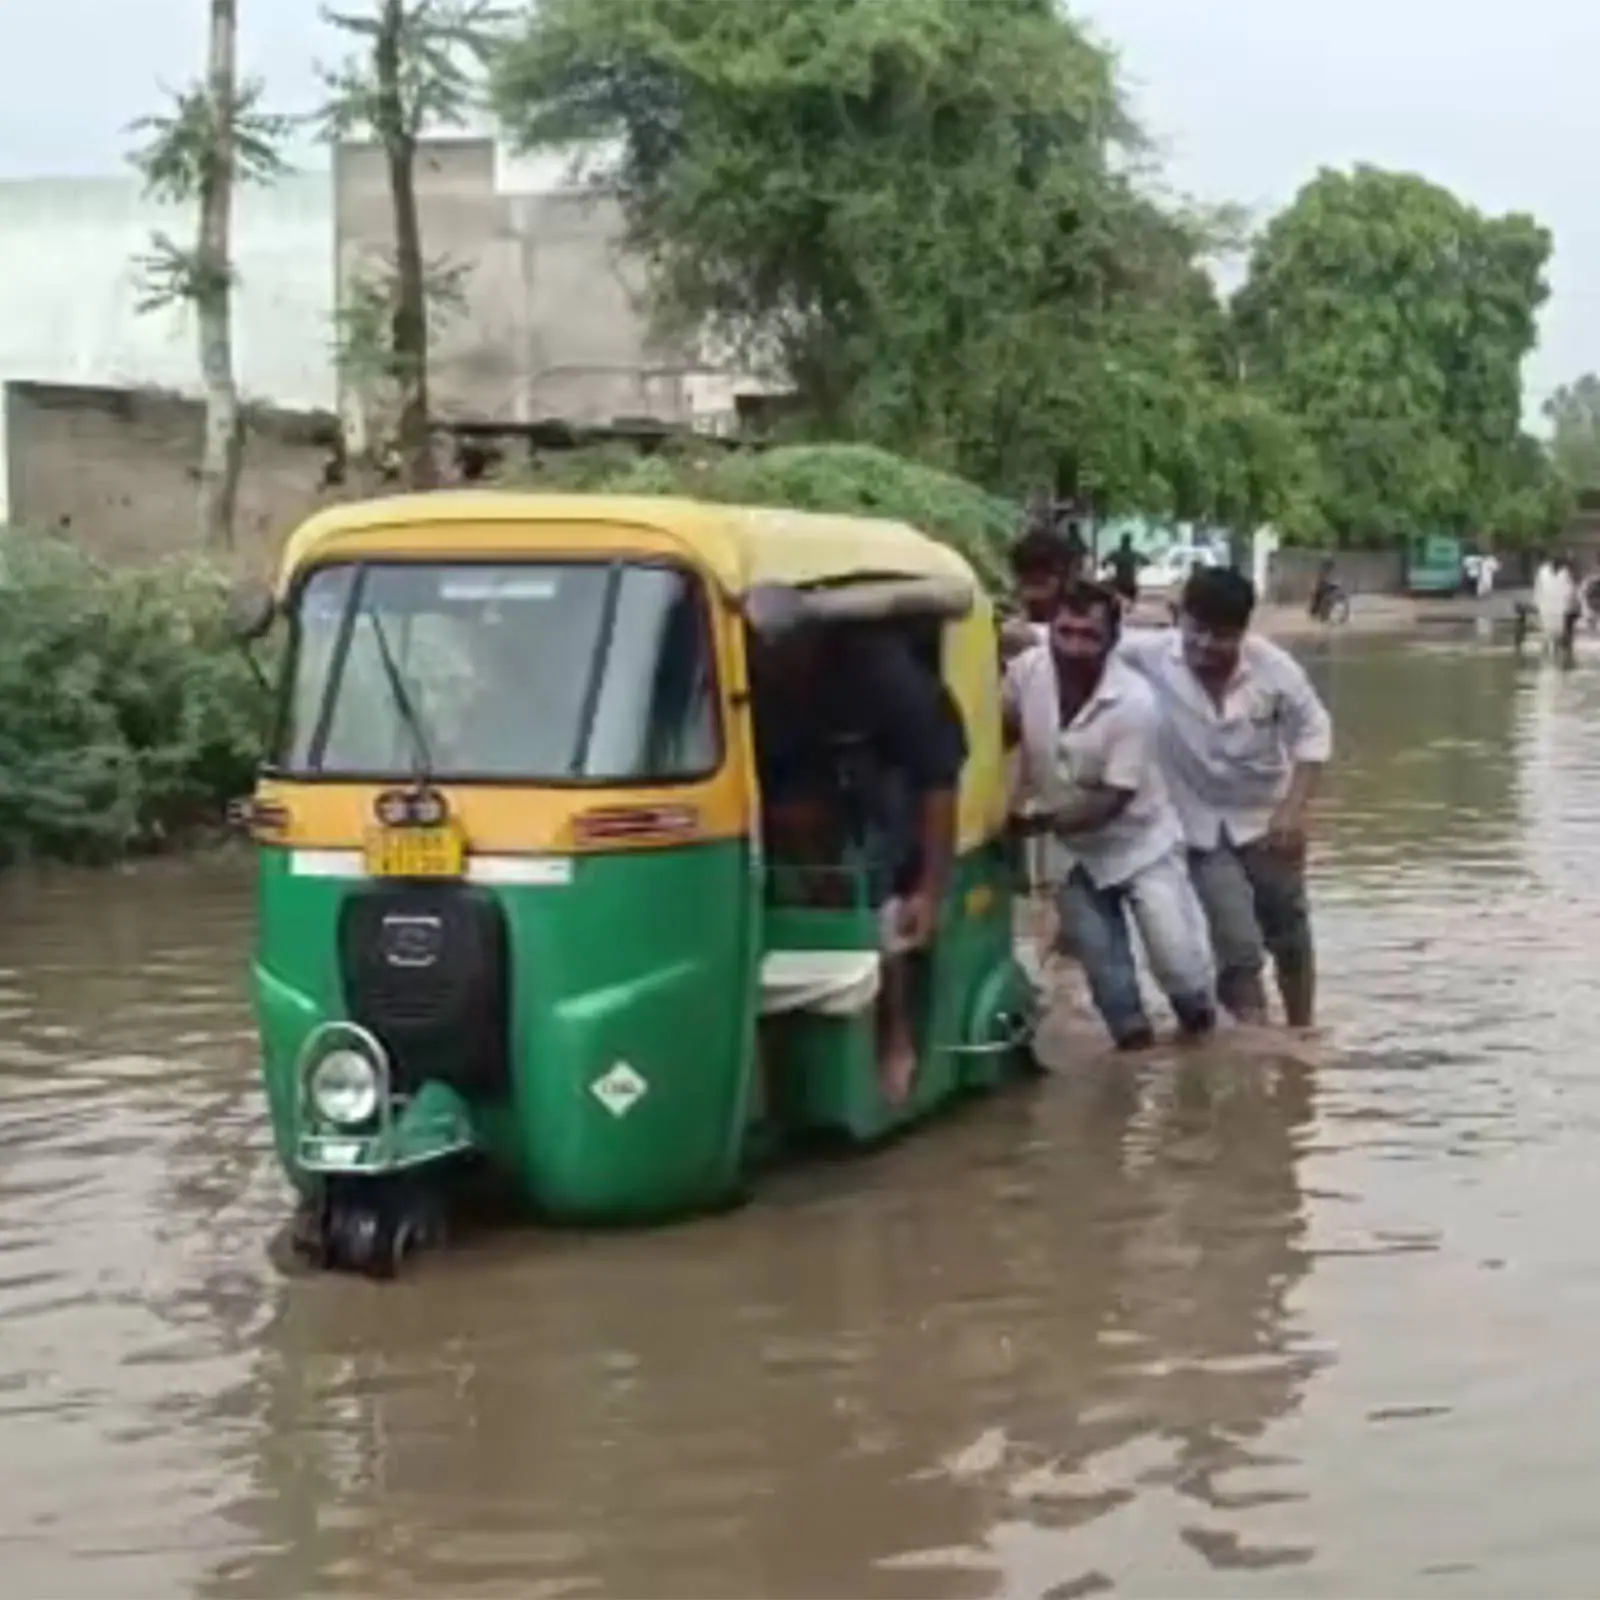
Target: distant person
[1323, 589]
[1244, 740]
[1125, 565]
[1087, 727]
[1553, 594]
[1488, 572]
[1591, 601]
[1573, 614]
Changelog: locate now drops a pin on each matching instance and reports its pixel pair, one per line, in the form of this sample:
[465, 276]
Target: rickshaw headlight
[344, 1088]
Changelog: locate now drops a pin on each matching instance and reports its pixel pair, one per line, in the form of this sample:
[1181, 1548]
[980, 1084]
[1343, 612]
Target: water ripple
[1271, 1318]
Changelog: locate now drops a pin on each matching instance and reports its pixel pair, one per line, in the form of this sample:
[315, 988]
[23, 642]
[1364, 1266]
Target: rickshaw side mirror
[252, 609]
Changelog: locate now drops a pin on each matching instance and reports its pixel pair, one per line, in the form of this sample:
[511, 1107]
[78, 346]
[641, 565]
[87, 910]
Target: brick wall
[116, 469]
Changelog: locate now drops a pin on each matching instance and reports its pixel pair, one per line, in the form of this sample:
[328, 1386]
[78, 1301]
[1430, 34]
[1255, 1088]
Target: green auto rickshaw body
[532, 928]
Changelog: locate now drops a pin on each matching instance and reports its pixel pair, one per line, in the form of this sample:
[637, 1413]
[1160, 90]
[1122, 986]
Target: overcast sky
[1248, 97]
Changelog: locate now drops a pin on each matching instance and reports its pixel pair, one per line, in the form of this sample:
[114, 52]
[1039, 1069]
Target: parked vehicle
[1434, 565]
[1170, 570]
[516, 919]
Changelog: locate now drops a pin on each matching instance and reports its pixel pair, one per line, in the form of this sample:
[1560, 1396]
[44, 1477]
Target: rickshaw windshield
[586, 672]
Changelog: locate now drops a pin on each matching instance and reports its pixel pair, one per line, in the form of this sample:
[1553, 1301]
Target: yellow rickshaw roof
[741, 546]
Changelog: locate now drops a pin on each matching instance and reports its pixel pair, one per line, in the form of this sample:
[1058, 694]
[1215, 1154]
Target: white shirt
[1111, 743]
[1228, 768]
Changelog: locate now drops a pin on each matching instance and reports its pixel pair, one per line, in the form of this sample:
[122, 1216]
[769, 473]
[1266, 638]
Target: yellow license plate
[415, 853]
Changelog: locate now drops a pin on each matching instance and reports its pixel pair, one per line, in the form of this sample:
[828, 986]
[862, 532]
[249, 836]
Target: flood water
[1267, 1321]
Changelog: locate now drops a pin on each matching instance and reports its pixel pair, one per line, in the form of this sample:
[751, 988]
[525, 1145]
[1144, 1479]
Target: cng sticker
[619, 1089]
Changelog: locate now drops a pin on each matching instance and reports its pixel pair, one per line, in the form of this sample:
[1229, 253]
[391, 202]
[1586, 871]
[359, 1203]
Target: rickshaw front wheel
[371, 1228]
[357, 1239]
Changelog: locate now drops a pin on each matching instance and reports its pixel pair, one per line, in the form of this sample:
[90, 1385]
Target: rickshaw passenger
[818, 694]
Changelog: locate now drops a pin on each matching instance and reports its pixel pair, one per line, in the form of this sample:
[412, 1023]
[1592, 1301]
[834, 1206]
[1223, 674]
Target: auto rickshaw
[515, 914]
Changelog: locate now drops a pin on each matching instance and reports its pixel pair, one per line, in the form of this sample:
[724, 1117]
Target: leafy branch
[364, 345]
[185, 152]
[443, 47]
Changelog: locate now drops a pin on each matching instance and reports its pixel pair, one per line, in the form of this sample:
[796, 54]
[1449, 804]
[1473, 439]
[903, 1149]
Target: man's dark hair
[1040, 550]
[1083, 599]
[1219, 598]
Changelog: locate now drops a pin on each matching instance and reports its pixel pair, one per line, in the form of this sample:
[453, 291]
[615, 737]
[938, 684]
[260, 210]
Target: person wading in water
[1087, 726]
[1244, 738]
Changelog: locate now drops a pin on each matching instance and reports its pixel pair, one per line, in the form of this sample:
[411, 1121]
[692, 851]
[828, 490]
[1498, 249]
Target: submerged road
[1262, 1321]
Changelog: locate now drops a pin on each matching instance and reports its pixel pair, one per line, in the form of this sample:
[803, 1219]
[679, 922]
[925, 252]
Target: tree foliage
[851, 479]
[178, 157]
[1392, 320]
[443, 47]
[364, 344]
[1573, 413]
[925, 215]
[416, 66]
[215, 137]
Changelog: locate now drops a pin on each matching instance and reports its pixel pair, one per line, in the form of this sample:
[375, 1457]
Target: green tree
[374, 371]
[1259, 467]
[1393, 320]
[416, 68]
[215, 136]
[923, 215]
[1533, 501]
[1573, 413]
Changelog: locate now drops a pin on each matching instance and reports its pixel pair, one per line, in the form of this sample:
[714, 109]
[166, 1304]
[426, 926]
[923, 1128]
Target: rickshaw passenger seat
[833, 983]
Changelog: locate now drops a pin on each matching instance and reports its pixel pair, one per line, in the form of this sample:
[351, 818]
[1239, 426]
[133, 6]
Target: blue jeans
[1172, 927]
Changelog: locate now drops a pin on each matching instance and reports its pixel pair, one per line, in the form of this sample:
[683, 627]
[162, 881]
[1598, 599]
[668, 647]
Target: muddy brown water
[1267, 1321]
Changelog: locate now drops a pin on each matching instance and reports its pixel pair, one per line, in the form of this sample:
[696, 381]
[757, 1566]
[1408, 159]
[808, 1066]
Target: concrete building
[69, 292]
[554, 324]
[69, 288]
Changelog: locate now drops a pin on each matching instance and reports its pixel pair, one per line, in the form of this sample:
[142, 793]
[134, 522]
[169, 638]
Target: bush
[127, 715]
[858, 480]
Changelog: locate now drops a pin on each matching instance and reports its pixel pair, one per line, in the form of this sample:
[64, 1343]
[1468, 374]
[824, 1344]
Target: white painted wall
[69, 289]
[69, 293]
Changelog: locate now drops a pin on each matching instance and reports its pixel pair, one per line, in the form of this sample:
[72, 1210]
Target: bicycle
[1331, 607]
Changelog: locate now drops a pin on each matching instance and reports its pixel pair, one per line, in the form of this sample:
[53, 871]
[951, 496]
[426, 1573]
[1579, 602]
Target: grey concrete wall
[116, 469]
[554, 324]
[1294, 573]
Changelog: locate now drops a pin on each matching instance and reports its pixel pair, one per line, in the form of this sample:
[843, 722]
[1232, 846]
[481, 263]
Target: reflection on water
[1256, 1321]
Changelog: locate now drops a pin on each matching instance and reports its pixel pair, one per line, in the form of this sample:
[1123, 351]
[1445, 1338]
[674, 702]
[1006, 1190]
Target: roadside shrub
[127, 714]
[129, 717]
[851, 479]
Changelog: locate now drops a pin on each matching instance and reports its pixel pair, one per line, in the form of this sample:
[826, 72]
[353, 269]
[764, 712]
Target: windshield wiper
[403, 701]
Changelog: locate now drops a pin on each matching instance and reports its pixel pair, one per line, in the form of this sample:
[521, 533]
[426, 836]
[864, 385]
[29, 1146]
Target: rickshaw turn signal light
[266, 821]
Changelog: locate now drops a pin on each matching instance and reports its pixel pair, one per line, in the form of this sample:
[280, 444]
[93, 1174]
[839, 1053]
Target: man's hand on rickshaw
[1016, 636]
[1029, 824]
[918, 919]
